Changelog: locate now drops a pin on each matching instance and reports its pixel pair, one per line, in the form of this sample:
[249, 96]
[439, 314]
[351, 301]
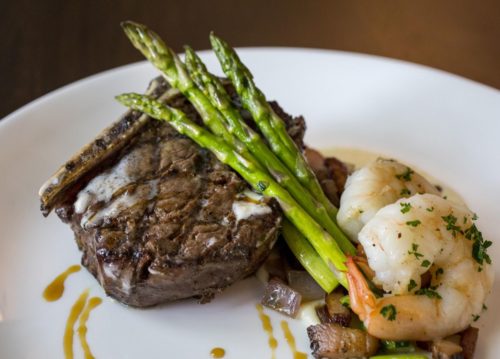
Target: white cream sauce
[307, 312]
[250, 204]
[102, 187]
[244, 210]
[124, 201]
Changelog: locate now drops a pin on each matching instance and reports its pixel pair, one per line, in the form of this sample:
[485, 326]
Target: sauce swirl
[217, 353]
[82, 328]
[74, 313]
[55, 289]
[268, 328]
[291, 341]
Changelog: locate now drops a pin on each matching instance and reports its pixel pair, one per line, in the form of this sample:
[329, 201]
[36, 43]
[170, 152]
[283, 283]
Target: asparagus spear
[273, 128]
[308, 257]
[215, 92]
[324, 244]
[174, 71]
[155, 50]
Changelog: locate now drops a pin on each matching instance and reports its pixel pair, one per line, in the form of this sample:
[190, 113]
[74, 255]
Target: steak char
[154, 214]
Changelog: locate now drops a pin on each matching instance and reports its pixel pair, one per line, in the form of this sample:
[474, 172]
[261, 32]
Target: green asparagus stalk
[270, 124]
[308, 257]
[260, 180]
[175, 72]
[216, 93]
[155, 50]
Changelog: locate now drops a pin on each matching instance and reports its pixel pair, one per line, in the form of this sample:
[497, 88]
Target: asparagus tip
[135, 101]
[214, 40]
[131, 26]
[126, 23]
[190, 53]
[125, 99]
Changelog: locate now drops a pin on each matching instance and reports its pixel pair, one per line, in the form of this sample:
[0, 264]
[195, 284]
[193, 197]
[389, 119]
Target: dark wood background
[47, 43]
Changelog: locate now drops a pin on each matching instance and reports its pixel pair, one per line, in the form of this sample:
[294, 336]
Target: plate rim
[87, 79]
[107, 74]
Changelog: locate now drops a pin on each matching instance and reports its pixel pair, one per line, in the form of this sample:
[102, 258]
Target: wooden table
[47, 44]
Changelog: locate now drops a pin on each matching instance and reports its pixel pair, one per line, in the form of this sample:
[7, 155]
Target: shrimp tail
[361, 297]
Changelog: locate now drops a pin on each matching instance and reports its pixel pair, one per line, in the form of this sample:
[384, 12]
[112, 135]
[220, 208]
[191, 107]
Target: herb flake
[389, 312]
[405, 176]
[430, 293]
[261, 186]
[405, 192]
[480, 246]
[412, 285]
[451, 224]
[414, 223]
[405, 207]
[414, 249]
[426, 263]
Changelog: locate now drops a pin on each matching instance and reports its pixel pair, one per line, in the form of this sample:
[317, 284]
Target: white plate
[443, 124]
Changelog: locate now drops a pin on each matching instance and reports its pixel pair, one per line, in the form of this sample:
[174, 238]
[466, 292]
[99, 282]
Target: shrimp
[373, 187]
[403, 241]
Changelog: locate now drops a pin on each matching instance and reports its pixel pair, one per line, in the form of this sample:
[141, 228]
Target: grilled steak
[158, 218]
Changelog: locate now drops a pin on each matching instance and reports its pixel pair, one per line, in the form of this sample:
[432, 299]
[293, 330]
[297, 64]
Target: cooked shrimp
[403, 241]
[374, 186]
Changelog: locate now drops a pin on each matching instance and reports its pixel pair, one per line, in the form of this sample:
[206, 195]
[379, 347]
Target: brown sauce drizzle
[75, 312]
[82, 328]
[55, 289]
[266, 324]
[217, 353]
[291, 341]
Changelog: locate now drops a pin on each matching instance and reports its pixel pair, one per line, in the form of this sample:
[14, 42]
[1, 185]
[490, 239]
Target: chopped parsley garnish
[439, 271]
[425, 263]
[405, 207]
[430, 209]
[475, 217]
[413, 223]
[261, 186]
[414, 248]
[479, 251]
[406, 176]
[412, 285]
[405, 192]
[485, 307]
[430, 293]
[445, 197]
[393, 346]
[451, 225]
[480, 246]
[389, 312]
[475, 317]
[360, 211]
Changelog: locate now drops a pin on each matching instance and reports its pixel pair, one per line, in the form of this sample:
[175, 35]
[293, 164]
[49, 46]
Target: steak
[158, 218]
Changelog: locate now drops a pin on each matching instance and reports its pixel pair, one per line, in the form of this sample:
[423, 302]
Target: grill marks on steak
[183, 242]
[167, 231]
